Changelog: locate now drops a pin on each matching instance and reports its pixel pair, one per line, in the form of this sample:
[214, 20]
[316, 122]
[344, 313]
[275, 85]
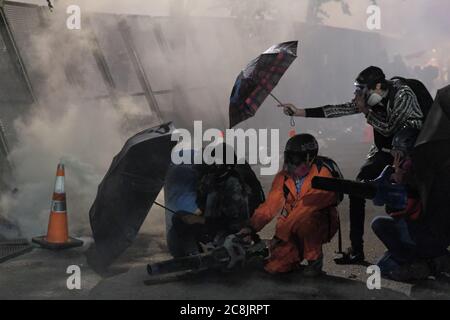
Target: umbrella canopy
[431, 158]
[258, 79]
[437, 125]
[126, 194]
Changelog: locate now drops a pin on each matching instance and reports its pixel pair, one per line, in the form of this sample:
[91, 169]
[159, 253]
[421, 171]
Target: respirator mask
[371, 97]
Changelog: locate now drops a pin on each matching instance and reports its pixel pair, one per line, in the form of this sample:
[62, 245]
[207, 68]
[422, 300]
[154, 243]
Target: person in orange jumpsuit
[307, 217]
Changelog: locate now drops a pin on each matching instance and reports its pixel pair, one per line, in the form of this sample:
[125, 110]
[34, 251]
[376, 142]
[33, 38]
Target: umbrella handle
[277, 100]
[164, 207]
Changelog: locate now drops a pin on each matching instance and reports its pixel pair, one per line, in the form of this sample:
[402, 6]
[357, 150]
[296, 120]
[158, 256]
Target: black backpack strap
[286, 190]
[331, 165]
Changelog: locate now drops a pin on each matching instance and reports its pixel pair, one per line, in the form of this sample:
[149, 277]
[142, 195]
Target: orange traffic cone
[58, 231]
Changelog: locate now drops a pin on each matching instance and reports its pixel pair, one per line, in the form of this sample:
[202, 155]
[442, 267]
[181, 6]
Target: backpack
[332, 166]
[423, 95]
[255, 193]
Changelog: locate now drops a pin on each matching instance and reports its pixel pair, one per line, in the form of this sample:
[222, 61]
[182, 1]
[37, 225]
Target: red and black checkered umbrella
[258, 79]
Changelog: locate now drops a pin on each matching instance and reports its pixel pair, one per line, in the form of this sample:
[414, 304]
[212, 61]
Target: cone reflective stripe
[59, 206]
[58, 230]
[59, 182]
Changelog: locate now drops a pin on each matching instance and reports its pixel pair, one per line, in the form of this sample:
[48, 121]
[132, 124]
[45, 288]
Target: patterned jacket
[402, 110]
[223, 201]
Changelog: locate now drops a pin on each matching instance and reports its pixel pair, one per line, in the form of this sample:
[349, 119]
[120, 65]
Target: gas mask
[371, 97]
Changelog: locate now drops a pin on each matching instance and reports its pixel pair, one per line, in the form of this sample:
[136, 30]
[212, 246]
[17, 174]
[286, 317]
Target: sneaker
[418, 270]
[351, 256]
[441, 264]
[313, 268]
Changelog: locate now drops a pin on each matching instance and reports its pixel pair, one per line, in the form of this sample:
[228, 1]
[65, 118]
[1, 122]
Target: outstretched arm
[327, 111]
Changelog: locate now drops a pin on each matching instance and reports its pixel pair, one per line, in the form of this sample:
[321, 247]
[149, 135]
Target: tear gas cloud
[84, 140]
[205, 57]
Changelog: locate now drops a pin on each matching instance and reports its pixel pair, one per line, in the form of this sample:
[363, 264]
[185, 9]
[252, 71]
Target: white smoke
[84, 140]
[87, 135]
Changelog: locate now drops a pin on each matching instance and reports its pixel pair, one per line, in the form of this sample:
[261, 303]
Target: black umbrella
[437, 126]
[127, 192]
[431, 159]
[258, 79]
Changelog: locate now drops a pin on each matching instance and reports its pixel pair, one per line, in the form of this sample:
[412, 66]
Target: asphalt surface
[42, 274]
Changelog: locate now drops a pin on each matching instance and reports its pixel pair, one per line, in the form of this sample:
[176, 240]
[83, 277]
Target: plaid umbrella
[258, 79]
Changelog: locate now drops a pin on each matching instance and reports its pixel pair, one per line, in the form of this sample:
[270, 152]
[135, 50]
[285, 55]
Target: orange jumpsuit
[308, 219]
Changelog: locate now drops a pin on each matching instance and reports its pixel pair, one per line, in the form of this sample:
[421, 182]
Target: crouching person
[307, 217]
[222, 199]
[413, 252]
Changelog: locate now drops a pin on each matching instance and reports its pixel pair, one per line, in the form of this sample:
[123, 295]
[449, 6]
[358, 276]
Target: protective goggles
[360, 88]
[295, 158]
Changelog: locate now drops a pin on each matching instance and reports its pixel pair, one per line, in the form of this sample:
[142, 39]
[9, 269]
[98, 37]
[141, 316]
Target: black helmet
[405, 140]
[222, 162]
[300, 148]
[370, 76]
